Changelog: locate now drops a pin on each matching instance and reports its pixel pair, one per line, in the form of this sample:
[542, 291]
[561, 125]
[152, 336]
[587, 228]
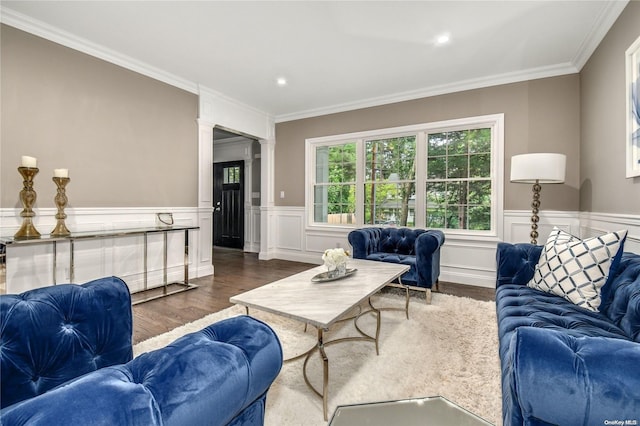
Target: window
[231, 175]
[445, 175]
[390, 181]
[458, 189]
[335, 184]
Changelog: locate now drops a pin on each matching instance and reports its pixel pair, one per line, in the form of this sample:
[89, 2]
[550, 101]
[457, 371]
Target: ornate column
[267, 190]
[205, 197]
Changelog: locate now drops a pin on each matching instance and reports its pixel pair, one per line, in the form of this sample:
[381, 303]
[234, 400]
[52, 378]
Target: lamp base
[535, 208]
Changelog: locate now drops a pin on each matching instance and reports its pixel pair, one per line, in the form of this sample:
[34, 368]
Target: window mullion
[421, 180]
[361, 158]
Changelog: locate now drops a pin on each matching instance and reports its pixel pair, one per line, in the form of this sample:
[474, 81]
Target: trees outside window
[389, 183]
[458, 190]
[445, 175]
[334, 187]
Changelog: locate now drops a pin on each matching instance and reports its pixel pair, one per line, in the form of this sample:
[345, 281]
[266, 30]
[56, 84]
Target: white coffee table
[322, 304]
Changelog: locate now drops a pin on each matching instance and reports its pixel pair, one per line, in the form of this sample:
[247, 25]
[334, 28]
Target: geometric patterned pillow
[576, 269]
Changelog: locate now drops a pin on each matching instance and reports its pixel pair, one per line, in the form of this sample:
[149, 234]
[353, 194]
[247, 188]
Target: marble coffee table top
[321, 303]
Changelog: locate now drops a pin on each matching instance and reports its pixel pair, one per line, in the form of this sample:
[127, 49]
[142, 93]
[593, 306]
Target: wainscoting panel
[594, 224]
[31, 266]
[252, 231]
[463, 260]
[318, 242]
[289, 231]
[468, 262]
[205, 221]
[517, 225]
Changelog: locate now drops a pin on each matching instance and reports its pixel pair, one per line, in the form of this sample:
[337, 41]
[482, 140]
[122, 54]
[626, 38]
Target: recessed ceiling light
[281, 81]
[442, 39]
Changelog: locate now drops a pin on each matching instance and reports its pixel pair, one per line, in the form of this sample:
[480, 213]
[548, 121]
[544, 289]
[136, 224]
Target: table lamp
[537, 168]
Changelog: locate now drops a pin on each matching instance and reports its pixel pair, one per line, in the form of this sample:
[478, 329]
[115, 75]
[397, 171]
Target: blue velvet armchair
[418, 248]
[66, 358]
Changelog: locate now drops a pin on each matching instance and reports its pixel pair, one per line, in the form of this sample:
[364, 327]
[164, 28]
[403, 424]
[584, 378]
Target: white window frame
[493, 121]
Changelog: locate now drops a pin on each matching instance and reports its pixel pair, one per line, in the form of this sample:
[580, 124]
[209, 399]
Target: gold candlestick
[28, 197]
[61, 202]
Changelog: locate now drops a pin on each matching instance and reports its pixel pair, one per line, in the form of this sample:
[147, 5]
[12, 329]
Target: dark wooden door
[228, 204]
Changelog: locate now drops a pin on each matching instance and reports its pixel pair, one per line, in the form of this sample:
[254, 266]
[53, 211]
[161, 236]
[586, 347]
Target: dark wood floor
[235, 272]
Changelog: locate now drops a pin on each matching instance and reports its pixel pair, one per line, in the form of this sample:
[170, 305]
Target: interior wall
[603, 185]
[540, 116]
[127, 140]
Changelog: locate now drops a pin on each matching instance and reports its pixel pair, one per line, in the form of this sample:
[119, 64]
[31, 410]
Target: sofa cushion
[393, 258]
[519, 305]
[576, 269]
[408, 278]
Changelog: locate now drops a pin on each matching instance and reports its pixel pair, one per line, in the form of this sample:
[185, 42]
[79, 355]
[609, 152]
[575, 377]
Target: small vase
[341, 269]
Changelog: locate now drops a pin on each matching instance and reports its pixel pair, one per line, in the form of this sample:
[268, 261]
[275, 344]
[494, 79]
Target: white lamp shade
[541, 167]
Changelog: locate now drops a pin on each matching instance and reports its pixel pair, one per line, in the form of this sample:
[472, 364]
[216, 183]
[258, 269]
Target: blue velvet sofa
[418, 248]
[563, 364]
[66, 358]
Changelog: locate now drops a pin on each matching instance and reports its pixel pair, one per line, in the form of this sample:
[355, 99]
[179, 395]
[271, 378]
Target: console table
[89, 235]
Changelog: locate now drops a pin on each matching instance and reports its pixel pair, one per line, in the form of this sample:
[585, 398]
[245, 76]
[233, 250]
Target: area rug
[448, 348]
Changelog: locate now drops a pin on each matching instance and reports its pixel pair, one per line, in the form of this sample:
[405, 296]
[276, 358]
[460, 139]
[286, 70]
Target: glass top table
[115, 233]
[430, 411]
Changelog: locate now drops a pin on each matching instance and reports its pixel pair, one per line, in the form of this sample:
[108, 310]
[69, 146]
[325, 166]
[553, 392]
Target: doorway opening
[236, 190]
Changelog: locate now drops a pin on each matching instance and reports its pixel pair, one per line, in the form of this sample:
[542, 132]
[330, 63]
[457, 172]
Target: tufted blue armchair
[418, 248]
[66, 358]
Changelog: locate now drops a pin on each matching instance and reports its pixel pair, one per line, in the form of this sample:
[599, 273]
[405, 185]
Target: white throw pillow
[576, 269]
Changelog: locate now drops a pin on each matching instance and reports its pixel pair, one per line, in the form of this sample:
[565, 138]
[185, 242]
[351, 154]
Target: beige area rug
[448, 348]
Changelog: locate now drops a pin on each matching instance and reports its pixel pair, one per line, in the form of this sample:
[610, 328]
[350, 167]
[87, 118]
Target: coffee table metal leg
[325, 372]
[406, 297]
[377, 338]
[321, 344]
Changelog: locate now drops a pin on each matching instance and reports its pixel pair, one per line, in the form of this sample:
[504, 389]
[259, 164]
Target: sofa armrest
[206, 377]
[427, 248]
[554, 378]
[364, 241]
[516, 263]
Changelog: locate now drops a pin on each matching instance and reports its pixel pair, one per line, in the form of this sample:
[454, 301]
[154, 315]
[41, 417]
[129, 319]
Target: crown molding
[214, 94]
[609, 14]
[601, 27]
[64, 38]
[460, 86]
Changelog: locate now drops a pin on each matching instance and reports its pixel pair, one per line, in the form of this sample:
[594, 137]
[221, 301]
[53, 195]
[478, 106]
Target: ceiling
[335, 55]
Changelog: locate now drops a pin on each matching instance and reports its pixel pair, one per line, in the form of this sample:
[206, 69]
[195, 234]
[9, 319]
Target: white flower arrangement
[335, 257]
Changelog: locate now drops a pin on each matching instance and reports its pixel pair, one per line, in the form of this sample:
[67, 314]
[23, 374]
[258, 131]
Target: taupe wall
[540, 116]
[127, 140]
[603, 186]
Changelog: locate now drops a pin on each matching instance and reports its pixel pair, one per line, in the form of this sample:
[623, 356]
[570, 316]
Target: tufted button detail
[67, 328]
